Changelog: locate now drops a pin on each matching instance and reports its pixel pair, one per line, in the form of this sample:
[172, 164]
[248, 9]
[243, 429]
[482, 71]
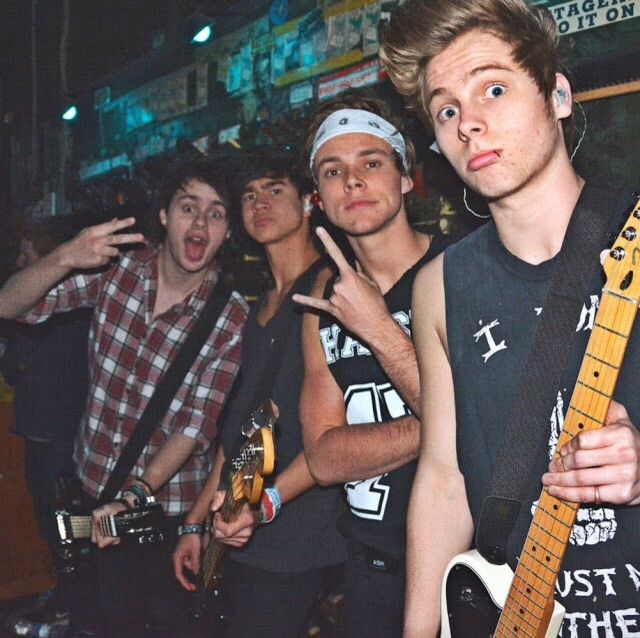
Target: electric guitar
[255, 460]
[141, 525]
[482, 599]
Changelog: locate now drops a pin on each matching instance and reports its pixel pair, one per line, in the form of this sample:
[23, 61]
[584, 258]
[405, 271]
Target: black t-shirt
[378, 506]
[493, 300]
[303, 536]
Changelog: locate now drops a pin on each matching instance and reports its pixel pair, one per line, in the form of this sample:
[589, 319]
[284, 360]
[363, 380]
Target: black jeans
[373, 594]
[265, 603]
[133, 591]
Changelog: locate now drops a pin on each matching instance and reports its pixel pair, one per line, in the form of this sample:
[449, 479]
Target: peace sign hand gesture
[96, 245]
[356, 301]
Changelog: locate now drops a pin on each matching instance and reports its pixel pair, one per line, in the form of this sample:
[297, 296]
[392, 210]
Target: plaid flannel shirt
[129, 351]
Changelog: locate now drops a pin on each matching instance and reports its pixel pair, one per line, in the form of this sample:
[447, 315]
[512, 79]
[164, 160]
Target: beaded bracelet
[190, 528]
[139, 495]
[145, 485]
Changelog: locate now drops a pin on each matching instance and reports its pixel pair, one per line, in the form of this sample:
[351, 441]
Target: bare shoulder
[428, 304]
[321, 281]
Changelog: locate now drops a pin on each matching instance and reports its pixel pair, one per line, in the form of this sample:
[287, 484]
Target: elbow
[318, 468]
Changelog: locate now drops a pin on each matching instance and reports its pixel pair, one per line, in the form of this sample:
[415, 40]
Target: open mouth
[195, 248]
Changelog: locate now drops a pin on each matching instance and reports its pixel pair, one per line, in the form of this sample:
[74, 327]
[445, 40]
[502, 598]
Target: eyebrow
[363, 153]
[195, 198]
[493, 66]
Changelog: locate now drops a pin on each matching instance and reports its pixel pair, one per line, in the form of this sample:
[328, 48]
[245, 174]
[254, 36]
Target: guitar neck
[212, 561]
[525, 611]
[80, 526]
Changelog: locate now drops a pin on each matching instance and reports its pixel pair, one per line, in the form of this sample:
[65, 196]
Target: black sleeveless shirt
[377, 506]
[493, 301]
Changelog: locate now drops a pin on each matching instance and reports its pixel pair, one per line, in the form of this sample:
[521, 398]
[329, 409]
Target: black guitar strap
[526, 432]
[165, 390]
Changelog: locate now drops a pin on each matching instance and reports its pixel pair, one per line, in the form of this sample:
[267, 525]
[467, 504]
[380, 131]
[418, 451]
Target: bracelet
[145, 485]
[139, 494]
[190, 528]
[270, 504]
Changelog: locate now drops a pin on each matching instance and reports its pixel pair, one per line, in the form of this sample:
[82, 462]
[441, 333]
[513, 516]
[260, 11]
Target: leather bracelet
[139, 494]
[145, 485]
[190, 528]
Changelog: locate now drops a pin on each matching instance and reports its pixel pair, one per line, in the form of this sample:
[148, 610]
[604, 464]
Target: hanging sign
[357, 76]
[575, 16]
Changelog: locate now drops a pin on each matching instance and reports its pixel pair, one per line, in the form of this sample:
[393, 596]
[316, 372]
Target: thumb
[218, 500]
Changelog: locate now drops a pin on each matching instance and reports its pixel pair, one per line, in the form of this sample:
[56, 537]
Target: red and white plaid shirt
[129, 351]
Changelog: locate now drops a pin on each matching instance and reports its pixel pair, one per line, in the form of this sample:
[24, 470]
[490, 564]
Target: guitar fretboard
[525, 611]
[233, 501]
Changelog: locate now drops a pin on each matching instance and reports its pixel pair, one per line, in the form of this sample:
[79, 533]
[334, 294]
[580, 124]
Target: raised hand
[599, 466]
[356, 300]
[239, 531]
[187, 554]
[96, 245]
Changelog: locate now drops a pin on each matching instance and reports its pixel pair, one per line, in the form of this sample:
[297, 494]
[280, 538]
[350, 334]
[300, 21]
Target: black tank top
[493, 301]
[377, 506]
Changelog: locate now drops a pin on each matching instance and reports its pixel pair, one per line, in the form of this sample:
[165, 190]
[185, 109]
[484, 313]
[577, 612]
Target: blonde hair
[421, 29]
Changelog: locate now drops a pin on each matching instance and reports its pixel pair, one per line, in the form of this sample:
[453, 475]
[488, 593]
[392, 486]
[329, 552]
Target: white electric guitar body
[473, 596]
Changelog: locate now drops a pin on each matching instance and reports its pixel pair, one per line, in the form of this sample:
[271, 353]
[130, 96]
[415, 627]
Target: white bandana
[347, 121]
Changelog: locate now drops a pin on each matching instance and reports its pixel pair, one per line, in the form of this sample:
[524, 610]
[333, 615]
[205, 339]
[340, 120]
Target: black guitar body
[471, 611]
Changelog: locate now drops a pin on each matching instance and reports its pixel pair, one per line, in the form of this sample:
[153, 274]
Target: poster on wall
[355, 77]
[575, 16]
[165, 98]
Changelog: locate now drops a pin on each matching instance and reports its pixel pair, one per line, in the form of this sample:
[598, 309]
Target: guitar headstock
[264, 416]
[622, 265]
[257, 455]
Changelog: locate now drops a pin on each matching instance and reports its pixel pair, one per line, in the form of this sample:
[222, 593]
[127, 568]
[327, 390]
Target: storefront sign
[575, 16]
[358, 76]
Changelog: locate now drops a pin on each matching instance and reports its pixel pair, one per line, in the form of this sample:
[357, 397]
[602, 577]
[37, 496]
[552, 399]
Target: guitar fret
[521, 621]
[517, 624]
[524, 596]
[588, 416]
[547, 567]
[617, 295]
[592, 389]
[606, 363]
[536, 575]
[611, 330]
[545, 541]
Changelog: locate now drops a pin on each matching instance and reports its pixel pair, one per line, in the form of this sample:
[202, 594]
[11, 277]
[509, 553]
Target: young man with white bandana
[361, 378]
[146, 303]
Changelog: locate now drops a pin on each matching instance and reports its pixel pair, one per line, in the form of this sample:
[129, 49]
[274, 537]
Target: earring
[466, 205]
[315, 198]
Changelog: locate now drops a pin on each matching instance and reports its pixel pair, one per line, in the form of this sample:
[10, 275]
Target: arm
[439, 521]
[336, 453]
[189, 548]
[91, 248]
[360, 307]
[168, 460]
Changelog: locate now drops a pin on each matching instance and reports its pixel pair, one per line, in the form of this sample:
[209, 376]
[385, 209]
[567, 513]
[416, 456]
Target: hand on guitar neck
[237, 531]
[599, 466]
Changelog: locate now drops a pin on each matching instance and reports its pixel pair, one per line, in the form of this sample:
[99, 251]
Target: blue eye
[495, 90]
[447, 113]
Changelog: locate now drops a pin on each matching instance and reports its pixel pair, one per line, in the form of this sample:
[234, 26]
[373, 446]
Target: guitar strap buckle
[497, 519]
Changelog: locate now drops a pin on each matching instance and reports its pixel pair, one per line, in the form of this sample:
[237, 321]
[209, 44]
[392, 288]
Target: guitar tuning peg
[630, 233]
[250, 426]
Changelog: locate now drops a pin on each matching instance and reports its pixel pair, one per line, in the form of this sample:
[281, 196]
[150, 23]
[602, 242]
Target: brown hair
[365, 101]
[421, 29]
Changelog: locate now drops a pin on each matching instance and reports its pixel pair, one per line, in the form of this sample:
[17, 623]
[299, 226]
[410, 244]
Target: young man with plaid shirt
[146, 302]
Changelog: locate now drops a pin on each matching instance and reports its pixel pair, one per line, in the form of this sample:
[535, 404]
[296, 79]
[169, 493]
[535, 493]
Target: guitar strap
[526, 432]
[165, 391]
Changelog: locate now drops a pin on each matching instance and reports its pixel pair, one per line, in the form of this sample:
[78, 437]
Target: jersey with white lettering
[377, 506]
[493, 302]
